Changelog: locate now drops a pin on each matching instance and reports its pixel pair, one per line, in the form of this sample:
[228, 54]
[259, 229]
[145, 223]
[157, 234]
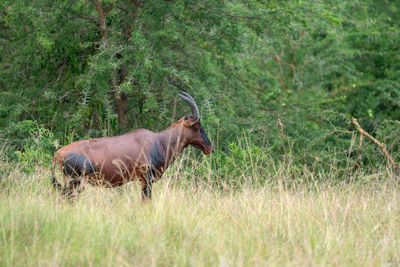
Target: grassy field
[193, 223]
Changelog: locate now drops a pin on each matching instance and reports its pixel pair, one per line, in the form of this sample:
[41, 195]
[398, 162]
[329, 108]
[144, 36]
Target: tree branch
[92, 19]
[109, 8]
[381, 146]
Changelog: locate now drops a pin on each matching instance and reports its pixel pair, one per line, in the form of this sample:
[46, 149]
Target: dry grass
[189, 223]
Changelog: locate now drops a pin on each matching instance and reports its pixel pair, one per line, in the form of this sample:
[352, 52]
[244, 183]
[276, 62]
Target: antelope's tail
[54, 181]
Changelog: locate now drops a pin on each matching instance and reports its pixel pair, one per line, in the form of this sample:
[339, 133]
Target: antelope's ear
[189, 122]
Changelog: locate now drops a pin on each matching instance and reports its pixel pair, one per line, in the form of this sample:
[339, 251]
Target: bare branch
[381, 146]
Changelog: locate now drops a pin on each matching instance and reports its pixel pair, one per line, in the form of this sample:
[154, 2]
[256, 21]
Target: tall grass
[194, 221]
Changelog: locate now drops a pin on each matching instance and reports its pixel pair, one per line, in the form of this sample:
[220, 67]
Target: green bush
[29, 143]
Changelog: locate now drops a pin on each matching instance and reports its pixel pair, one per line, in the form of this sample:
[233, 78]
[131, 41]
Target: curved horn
[195, 110]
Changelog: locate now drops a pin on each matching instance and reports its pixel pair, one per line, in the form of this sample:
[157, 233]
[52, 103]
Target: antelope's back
[115, 158]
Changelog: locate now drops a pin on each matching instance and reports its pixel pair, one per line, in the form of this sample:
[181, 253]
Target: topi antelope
[137, 155]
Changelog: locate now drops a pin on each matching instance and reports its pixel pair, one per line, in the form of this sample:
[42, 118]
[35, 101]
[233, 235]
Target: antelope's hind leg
[76, 166]
[74, 188]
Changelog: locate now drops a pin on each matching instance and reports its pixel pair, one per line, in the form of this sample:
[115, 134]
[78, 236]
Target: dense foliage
[272, 78]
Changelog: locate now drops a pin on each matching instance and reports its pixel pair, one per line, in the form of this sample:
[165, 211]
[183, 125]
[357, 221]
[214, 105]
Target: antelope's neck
[172, 141]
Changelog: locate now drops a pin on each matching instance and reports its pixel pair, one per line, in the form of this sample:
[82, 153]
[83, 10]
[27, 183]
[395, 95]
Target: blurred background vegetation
[273, 79]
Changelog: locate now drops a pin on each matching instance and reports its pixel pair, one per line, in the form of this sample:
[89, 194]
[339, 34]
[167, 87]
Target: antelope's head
[193, 131]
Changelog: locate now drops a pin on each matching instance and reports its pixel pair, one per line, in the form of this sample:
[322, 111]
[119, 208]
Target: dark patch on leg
[156, 156]
[76, 165]
[156, 160]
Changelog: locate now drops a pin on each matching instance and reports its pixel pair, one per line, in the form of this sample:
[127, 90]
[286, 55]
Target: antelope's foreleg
[147, 185]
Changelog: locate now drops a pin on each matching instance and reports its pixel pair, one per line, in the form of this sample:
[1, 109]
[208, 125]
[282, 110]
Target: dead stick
[381, 146]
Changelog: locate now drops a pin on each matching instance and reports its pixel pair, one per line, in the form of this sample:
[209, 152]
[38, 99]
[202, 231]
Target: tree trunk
[121, 104]
[120, 98]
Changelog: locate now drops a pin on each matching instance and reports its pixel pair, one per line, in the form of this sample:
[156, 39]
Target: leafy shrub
[28, 143]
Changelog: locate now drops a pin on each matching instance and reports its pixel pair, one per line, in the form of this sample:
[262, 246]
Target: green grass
[195, 223]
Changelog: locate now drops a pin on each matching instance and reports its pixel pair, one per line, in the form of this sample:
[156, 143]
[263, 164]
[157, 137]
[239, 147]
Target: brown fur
[121, 159]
